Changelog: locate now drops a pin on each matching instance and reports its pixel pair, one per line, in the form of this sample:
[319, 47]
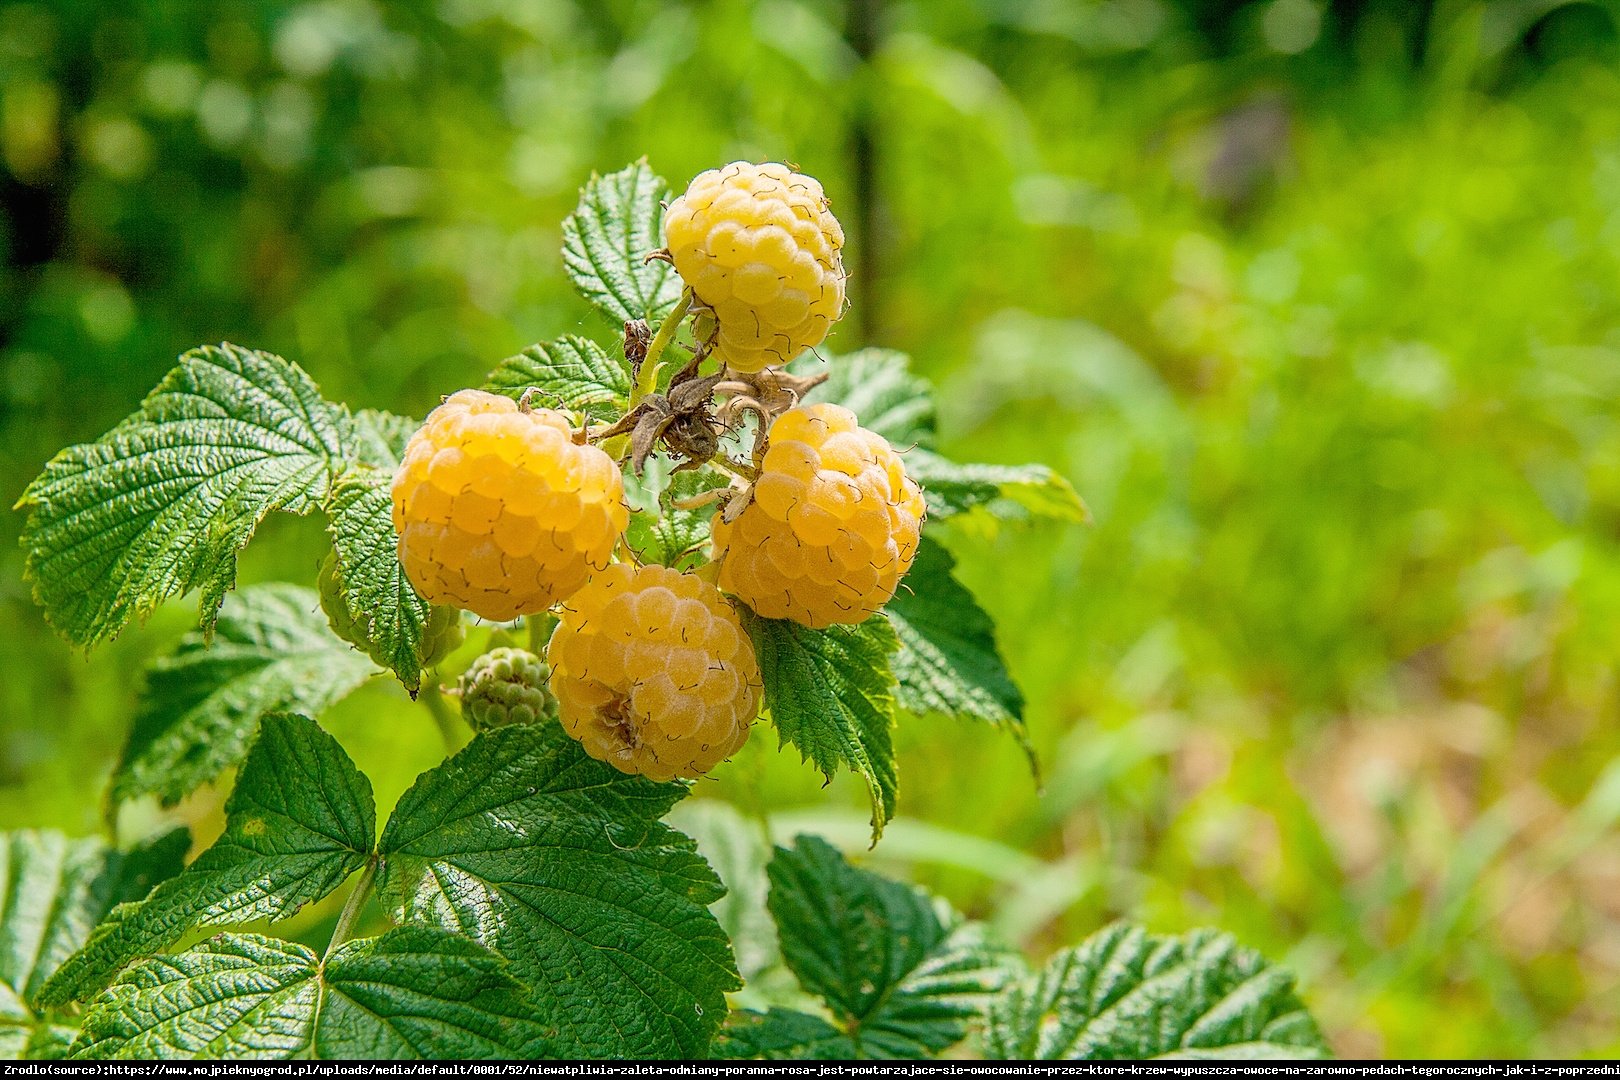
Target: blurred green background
[1318, 305]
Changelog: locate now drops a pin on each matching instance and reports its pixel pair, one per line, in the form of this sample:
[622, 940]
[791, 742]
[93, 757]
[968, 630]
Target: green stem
[539, 624]
[351, 908]
[433, 698]
[647, 378]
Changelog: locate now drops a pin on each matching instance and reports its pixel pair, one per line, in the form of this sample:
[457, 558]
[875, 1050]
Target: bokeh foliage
[1318, 306]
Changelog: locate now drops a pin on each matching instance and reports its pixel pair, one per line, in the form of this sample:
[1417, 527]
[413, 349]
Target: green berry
[505, 687]
[440, 636]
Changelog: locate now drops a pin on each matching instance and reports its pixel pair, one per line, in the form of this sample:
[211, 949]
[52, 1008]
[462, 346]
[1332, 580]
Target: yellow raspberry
[759, 246]
[653, 673]
[499, 511]
[832, 526]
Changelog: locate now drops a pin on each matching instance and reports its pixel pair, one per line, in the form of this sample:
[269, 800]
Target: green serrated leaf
[948, 660]
[397, 626]
[53, 891]
[162, 503]
[878, 386]
[903, 974]
[1005, 491]
[1124, 993]
[380, 438]
[661, 531]
[300, 820]
[271, 652]
[412, 994]
[782, 1035]
[607, 239]
[569, 373]
[831, 694]
[560, 863]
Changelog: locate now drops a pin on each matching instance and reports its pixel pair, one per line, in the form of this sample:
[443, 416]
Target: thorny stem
[351, 908]
[433, 697]
[647, 378]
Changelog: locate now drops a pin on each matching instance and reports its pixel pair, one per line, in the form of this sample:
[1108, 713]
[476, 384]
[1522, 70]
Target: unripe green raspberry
[762, 251]
[440, 636]
[505, 687]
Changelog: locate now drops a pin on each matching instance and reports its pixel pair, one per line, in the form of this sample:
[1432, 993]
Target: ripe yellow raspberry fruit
[653, 673]
[832, 526]
[499, 511]
[760, 248]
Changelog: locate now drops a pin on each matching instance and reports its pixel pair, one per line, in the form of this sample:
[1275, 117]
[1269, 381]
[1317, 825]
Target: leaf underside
[560, 864]
[300, 820]
[163, 503]
[1124, 993]
[412, 993]
[272, 652]
[948, 660]
[831, 694]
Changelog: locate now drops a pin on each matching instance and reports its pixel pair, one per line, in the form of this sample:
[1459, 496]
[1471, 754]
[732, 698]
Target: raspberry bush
[705, 525]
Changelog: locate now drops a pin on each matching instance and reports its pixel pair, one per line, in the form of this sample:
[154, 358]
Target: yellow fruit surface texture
[499, 511]
[653, 673]
[832, 526]
[759, 246]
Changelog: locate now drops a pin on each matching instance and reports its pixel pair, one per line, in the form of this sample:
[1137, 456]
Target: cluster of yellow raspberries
[506, 510]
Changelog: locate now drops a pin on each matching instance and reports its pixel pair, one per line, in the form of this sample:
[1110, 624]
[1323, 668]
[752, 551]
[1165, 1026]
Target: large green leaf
[412, 993]
[271, 652]
[877, 385]
[902, 973]
[162, 503]
[560, 863]
[300, 820]
[53, 891]
[1124, 993]
[831, 694]
[569, 373]
[948, 660]
[396, 625]
[607, 239]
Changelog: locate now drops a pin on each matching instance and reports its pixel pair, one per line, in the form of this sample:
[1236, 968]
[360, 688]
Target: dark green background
[1318, 305]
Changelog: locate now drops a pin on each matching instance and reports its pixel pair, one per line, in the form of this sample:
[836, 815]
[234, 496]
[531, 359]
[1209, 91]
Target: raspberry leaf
[300, 821]
[661, 531]
[380, 438]
[607, 239]
[389, 618]
[55, 892]
[272, 652]
[948, 660]
[560, 863]
[877, 385]
[902, 973]
[411, 993]
[783, 1035]
[569, 373]
[1007, 492]
[164, 501]
[831, 694]
[1124, 993]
